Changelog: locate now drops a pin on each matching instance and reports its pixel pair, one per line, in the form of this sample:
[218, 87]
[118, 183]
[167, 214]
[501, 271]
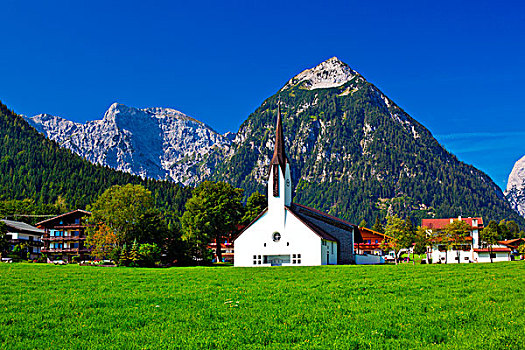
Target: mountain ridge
[155, 142]
[355, 153]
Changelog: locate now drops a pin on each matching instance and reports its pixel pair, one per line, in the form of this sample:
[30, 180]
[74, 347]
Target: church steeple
[279, 154]
[279, 182]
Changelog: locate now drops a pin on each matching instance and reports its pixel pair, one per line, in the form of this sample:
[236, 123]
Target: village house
[24, 235]
[291, 234]
[372, 242]
[472, 250]
[64, 236]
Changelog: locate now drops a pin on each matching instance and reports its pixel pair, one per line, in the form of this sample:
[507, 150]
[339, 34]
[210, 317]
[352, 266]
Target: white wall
[484, 257]
[296, 238]
[451, 255]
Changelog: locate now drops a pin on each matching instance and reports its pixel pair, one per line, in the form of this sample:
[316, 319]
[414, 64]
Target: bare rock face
[515, 192]
[328, 74]
[159, 143]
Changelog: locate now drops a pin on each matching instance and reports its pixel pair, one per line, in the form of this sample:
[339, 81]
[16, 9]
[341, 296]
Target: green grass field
[469, 306]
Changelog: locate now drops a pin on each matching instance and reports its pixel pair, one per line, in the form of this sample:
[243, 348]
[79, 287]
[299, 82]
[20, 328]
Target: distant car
[389, 258]
[59, 262]
[7, 260]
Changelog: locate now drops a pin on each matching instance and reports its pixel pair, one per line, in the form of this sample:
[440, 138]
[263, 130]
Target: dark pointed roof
[279, 155]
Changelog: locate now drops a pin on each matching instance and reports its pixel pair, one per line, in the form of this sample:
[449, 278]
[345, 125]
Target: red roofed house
[292, 234]
[471, 251]
[372, 241]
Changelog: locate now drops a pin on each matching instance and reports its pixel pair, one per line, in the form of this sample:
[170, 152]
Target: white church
[290, 234]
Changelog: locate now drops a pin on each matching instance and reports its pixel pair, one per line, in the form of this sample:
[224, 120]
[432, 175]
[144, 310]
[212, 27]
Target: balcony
[64, 250]
[63, 238]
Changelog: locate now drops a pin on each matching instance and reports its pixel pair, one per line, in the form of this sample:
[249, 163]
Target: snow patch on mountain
[328, 74]
[515, 192]
[160, 143]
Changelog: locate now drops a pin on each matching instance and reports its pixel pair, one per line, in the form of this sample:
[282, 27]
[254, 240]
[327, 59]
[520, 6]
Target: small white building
[22, 233]
[290, 234]
[472, 250]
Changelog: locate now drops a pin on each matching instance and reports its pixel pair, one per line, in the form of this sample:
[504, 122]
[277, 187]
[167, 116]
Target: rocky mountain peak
[515, 192]
[328, 74]
[160, 143]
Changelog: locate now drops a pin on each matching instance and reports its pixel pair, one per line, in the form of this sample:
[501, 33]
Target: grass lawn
[468, 306]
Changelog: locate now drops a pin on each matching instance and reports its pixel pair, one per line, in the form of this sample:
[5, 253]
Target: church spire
[279, 155]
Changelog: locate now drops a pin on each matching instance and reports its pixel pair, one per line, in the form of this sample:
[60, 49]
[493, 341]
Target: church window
[255, 262]
[276, 180]
[259, 257]
[294, 261]
[287, 244]
[293, 256]
[299, 256]
[255, 256]
[276, 236]
[265, 244]
[259, 262]
[299, 261]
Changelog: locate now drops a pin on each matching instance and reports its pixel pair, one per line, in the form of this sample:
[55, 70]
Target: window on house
[293, 256]
[265, 244]
[299, 256]
[299, 261]
[376, 241]
[255, 262]
[255, 257]
[259, 257]
[77, 221]
[293, 260]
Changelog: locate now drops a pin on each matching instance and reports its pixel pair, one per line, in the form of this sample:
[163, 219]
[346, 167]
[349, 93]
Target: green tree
[489, 236]
[398, 237]
[378, 226]
[211, 213]
[254, 206]
[455, 234]
[363, 223]
[504, 231]
[410, 233]
[130, 214]
[149, 254]
[422, 239]
[134, 255]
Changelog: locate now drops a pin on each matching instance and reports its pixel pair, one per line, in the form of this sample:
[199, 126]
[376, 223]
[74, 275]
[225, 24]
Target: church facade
[290, 234]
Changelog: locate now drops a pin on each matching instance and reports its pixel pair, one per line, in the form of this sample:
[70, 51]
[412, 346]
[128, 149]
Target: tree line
[127, 227]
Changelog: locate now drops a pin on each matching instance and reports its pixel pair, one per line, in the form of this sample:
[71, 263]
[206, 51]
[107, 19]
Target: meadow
[468, 306]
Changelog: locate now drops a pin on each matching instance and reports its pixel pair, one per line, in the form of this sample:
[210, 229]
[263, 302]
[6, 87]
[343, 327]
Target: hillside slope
[32, 166]
[355, 153]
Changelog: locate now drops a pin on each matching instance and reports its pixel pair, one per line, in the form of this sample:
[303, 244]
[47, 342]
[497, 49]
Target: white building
[472, 250]
[290, 234]
[24, 234]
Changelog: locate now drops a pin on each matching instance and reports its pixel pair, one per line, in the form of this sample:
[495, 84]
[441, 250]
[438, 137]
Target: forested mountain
[34, 167]
[159, 143]
[354, 153]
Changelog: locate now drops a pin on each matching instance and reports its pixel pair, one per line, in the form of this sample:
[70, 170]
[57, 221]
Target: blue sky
[455, 66]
